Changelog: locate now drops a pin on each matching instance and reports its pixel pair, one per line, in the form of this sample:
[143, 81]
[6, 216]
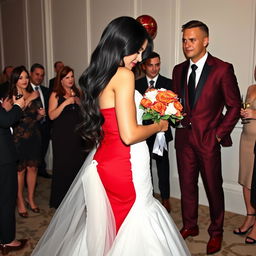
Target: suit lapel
[184, 85]
[158, 82]
[204, 75]
[144, 84]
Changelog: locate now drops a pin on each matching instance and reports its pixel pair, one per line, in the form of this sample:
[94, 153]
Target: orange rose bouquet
[161, 104]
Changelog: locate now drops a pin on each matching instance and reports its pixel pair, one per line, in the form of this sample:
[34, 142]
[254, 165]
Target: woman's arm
[55, 110]
[248, 112]
[130, 131]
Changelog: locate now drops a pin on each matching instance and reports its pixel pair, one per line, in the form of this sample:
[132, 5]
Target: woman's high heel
[250, 240]
[35, 210]
[23, 214]
[10, 248]
[239, 232]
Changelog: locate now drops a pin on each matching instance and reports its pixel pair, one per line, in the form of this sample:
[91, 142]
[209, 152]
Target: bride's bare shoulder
[124, 72]
[122, 76]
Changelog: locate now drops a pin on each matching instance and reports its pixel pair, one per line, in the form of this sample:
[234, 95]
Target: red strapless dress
[114, 168]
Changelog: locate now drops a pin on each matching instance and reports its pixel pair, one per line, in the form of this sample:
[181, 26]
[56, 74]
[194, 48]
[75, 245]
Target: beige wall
[13, 36]
[69, 33]
[68, 30]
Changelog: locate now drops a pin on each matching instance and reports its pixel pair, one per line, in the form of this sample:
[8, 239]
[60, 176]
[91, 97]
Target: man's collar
[199, 63]
[154, 79]
[33, 85]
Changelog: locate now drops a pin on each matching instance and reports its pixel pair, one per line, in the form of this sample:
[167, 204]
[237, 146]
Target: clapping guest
[246, 155]
[9, 114]
[27, 138]
[68, 155]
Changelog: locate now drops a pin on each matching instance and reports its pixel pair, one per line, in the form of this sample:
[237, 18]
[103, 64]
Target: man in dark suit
[8, 176]
[58, 65]
[36, 79]
[206, 84]
[151, 68]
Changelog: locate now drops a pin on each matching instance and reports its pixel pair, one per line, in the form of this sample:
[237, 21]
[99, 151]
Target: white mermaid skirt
[84, 224]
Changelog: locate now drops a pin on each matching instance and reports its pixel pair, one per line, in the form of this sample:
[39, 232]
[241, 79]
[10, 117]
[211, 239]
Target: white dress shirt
[154, 79]
[40, 93]
[200, 66]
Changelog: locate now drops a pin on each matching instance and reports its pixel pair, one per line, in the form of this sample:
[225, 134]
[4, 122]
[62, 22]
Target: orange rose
[178, 113]
[166, 96]
[178, 106]
[145, 103]
[151, 90]
[159, 107]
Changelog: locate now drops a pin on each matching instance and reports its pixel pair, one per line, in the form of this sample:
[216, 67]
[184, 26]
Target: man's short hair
[196, 24]
[153, 55]
[36, 65]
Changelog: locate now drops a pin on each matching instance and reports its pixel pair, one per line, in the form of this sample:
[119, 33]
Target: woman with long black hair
[110, 209]
[27, 139]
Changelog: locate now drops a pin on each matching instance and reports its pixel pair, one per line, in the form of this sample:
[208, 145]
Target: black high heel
[239, 232]
[251, 241]
[23, 214]
[35, 210]
[9, 248]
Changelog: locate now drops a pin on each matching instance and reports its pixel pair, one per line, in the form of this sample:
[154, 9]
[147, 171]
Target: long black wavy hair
[123, 36]
[14, 79]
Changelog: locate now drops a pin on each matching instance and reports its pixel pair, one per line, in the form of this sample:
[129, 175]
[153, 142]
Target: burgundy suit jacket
[217, 88]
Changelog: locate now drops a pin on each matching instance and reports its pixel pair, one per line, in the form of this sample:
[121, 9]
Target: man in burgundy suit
[206, 85]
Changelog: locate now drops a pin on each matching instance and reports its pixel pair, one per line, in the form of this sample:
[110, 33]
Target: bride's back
[107, 98]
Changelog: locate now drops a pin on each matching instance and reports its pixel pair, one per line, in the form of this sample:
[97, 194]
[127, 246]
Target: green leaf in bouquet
[147, 116]
[156, 120]
[173, 120]
[179, 117]
[165, 117]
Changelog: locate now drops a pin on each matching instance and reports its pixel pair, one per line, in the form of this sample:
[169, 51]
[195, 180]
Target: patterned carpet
[33, 227]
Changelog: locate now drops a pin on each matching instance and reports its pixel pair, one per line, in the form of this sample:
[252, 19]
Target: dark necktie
[151, 84]
[192, 85]
[39, 98]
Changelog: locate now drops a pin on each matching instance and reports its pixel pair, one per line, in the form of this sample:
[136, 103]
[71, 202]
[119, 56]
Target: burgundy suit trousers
[191, 161]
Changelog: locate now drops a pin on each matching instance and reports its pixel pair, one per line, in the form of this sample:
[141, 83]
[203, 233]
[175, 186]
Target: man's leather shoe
[166, 204]
[186, 232]
[8, 248]
[214, 244]
[45, 175]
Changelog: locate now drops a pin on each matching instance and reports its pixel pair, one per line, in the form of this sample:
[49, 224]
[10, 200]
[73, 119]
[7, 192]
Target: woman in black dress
[27, 138]
[68, 155]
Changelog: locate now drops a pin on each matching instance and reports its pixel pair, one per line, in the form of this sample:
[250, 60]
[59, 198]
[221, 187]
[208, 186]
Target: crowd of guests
[37, 114]
[45, 115]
